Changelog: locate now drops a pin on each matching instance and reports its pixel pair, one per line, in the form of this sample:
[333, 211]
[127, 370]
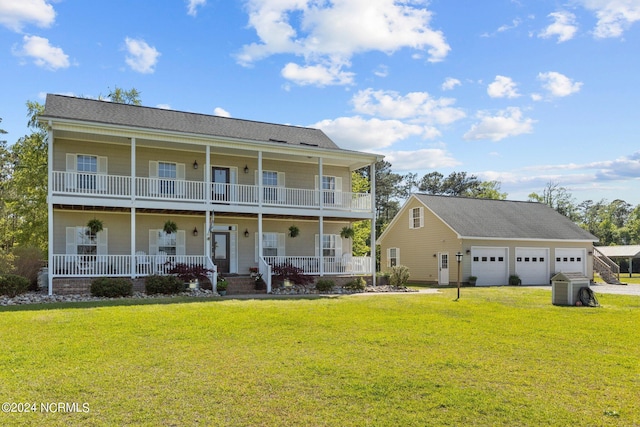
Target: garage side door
[532, 265]
[489, 265]
[571, 260]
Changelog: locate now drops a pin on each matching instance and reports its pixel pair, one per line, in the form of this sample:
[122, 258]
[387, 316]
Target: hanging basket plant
[347, 233]
[95, 226]
[170, 227]
[294, 231]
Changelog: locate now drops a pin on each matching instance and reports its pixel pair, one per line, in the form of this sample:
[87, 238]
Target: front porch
[79, 270]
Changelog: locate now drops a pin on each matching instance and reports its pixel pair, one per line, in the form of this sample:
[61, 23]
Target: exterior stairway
[242, 285]
[608, 270]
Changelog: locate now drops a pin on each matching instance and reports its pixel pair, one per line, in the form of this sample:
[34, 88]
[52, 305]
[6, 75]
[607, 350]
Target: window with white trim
[86, 242]
[416, 218]
[393, 257]
[329, 245]
[81, 241]
[167, 172]
[167, 242]
[270, 244]
[87, 168]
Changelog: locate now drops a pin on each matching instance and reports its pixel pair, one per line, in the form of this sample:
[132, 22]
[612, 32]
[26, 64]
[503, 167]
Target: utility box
[565, 288]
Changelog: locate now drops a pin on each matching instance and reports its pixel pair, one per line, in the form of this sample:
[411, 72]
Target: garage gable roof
[503, 219]
[111, 113]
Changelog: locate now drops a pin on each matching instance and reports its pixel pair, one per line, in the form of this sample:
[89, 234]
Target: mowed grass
[498, 356]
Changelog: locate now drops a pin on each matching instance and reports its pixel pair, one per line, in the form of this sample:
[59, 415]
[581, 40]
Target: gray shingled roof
[503, 219]
[94, 111]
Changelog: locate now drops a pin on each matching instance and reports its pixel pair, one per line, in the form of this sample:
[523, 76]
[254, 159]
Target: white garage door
[571, 260]
[489, 265]
[532, 265]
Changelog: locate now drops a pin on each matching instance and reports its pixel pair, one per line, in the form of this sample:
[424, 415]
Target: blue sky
[525, 92]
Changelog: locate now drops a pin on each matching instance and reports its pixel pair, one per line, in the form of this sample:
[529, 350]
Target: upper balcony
[126, 188]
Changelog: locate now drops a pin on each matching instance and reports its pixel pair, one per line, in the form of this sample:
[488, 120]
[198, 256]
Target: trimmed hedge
[357, 284]
[109, 287]
[168, 285]
[324, 285]
[12, 285]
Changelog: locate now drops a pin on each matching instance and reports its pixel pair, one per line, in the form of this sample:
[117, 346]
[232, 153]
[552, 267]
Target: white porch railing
[330, 265]
[78, 183]
[85, 184]
[121, 265]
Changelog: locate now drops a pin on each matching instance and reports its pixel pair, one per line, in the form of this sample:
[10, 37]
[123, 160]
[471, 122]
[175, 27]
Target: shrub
[514, 280]
[109, 287]
[324, 285]
[187, 273]
[289, 272]
[399, 276]
[27, 262]
[12, 285]
[357, 284]
[168, 285]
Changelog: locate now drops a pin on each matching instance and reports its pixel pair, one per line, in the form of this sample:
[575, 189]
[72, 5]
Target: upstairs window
[167, 172]
[416, 218]
[87, 167]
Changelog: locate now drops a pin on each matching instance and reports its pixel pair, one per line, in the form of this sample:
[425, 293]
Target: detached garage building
[497, 238]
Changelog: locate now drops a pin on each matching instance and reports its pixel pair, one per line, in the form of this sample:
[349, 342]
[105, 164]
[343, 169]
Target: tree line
[23, 194]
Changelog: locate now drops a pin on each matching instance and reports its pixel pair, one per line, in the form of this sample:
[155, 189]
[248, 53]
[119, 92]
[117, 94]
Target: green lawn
[499, 356]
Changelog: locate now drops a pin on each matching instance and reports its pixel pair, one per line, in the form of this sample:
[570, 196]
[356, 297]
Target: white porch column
[132, 264]
[207, 177]
[207, 233]
[320, 245]
[50, 270]
[372, 185]
[321, 218]
[260, 190]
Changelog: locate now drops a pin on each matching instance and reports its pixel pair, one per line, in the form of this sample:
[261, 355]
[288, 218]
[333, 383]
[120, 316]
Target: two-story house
[232, 187]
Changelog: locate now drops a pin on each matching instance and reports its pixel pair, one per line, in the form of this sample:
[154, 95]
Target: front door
[443, 268]
[220, 251]
[220, 179]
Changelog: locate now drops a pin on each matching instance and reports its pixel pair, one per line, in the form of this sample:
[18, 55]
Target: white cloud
[614, 16]
[371, 135]
[509, 122]
[426, 158]
[141, 57]
[218, 111]
[415, 106]
[192, 6]
[450, 83]
[318, 75]
[503, 87]
[44, 55]
[15, 14]
[558, 84]
[564, 26]
[332, 32]
[381, 71]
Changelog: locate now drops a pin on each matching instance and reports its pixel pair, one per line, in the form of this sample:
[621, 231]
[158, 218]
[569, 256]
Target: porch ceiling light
[195, 164]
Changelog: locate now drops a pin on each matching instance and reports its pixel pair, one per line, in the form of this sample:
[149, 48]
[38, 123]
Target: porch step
[242, 285]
